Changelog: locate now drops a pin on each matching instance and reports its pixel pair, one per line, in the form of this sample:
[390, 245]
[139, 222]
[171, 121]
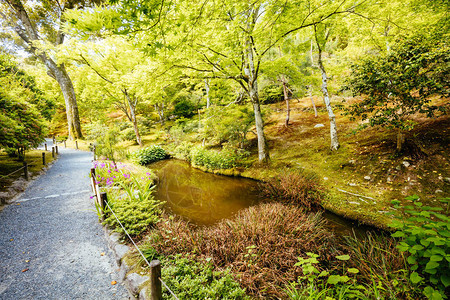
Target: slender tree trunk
[288, 108]
[312, 100]
[252, 88]
[160, 111]
[133, 118]
[400, 140]
[326, 98]
[208, 100]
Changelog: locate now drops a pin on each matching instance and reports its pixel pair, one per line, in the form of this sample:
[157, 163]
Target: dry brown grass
[294, 187]
[260, 245]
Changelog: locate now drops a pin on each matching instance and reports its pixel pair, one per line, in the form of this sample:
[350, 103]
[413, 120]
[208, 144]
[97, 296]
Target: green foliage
[137, 209]
[184, 108]
[22, 109]
[271, 94]
[399, 84]
[107, 144]
[228, 124]
[193, 280]
[211, 159]
[425, 238]
[149, 154]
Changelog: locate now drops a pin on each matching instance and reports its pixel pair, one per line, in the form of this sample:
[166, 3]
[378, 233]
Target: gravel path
[51, 244]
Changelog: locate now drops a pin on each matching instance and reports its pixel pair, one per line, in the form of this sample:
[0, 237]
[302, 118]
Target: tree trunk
[288, 108]
[160, 111]
[133, 118]
[252, 89]
[400, 140]
[59, 73]
[333, 128]
[208, 100]
[312, 101]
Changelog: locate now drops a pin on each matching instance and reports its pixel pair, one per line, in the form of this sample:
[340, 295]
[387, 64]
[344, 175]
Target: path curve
[51, 243]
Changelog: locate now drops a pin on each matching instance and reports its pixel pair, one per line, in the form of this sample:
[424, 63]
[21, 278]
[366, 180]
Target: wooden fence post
[56, 150]
[65, 144]
[25, 170]
[155, 283]
[94, 152]
[45, 146]
[53, 152]
[93, 179]
[43, 158]
[103, 200]
[76, 145]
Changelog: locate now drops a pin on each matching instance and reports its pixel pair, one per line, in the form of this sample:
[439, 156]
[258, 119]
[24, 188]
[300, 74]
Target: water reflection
[201, 197]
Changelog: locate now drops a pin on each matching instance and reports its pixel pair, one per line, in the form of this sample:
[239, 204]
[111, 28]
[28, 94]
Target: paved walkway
[51, 244]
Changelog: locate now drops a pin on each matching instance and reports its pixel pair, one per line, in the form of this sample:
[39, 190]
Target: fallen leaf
[27, 260]
[102, 254]
[18, 203]
[24, 270]
[11, 240]
[113, 282]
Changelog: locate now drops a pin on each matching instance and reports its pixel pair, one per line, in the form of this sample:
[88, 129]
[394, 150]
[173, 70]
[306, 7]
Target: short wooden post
[94, 151]
[155, 283]
[56, 150]
[103, 200]
[25, 170]
[93, 179]
[45, 146]
[54, 140]
[65, 144]
[43, 158]
[76, 145]
[53, 152]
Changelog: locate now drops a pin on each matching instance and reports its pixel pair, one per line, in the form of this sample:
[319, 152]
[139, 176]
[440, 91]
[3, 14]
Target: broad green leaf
[415, 277]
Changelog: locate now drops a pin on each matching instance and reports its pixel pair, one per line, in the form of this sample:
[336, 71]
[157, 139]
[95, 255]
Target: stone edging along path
[133, 281]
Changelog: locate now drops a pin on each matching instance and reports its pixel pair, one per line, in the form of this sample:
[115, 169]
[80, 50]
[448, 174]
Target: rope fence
[154, 265]
[26, 165]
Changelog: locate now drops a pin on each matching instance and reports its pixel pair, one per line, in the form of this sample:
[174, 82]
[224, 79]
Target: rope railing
[154, 265]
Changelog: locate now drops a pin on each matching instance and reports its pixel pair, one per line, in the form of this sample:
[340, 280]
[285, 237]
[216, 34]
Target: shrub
[262, 244]
[425, 239]
[149, 154]
[211, 159]
[294, 187]
[272, 94]
[137, 210]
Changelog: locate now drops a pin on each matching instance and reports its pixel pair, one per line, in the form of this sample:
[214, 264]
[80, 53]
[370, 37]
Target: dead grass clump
[260, 245]
[294, 187]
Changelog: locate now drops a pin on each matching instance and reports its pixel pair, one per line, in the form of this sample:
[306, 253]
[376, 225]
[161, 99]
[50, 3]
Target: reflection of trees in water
[202, 197]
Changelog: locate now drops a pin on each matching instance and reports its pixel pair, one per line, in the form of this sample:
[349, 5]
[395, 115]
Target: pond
[204, 198]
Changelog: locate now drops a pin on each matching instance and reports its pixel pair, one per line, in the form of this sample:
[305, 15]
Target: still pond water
[205, 198]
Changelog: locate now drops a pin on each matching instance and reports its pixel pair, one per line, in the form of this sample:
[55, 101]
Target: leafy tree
[36, 26]
[397, 85]
[22, 109]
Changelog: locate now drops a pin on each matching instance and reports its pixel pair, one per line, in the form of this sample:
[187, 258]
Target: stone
[143, 294]
[352, 161]
[405, 163]
[120, 250]
[447, 179]
[319, 125]
[351, 184]
[389, 179]
[438, 191]
[325, 178]
[398, 168]
[134, 281]
[367, 177]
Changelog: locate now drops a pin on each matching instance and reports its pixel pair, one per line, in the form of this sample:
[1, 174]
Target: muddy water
[205, 198]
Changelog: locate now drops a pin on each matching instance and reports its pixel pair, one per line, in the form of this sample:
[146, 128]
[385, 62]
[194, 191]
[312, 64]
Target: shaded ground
[51, 244]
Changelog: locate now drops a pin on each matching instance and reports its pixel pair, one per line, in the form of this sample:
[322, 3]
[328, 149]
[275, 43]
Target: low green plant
[211, 159]
[424, 232]
[149, 154]
[195, 280]
[137, 209]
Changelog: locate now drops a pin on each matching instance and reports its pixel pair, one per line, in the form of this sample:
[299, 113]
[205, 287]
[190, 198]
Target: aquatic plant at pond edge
[261, 244]
[294, 187]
